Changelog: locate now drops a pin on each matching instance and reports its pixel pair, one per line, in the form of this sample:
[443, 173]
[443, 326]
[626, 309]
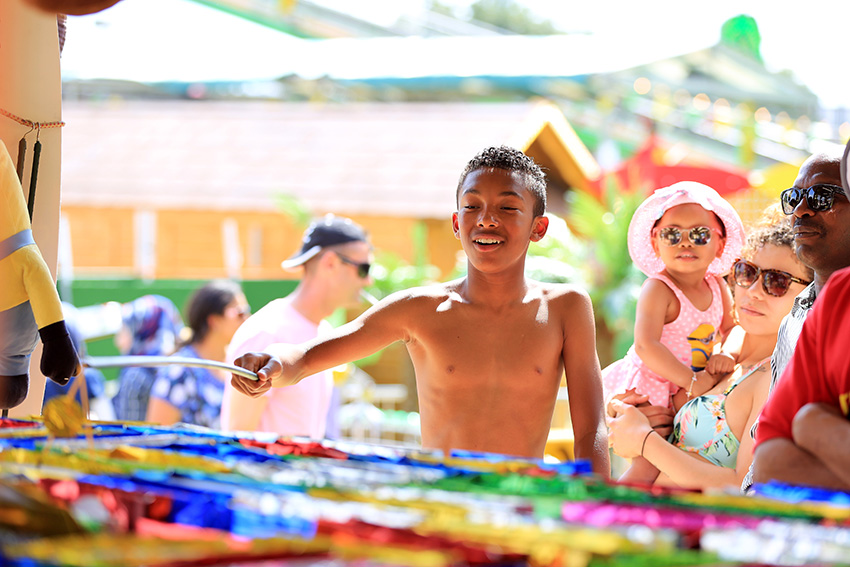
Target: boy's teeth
[486, 241]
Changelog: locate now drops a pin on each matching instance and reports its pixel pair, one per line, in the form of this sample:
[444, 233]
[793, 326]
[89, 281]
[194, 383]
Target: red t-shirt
[819, 371]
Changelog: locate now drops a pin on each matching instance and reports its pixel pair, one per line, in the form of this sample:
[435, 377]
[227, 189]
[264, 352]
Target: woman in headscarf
[151, 325]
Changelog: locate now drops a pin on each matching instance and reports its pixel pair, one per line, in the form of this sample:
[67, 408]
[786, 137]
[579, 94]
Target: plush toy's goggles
[774, 282]
[819, 197]
[671, 236]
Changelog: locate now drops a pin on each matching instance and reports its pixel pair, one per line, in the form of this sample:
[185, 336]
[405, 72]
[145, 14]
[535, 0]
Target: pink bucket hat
[684, 192]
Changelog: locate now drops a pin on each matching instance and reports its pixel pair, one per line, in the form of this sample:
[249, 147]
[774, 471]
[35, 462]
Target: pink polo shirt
[301, 409]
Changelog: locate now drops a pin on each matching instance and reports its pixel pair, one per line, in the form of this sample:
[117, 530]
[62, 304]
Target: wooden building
[197, 189]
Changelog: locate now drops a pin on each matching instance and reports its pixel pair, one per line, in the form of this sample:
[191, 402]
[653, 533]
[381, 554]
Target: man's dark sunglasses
[819, 197]
[362, 268]
[774, 282]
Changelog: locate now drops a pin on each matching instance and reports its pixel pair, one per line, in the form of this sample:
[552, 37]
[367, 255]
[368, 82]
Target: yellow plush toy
[29, 303]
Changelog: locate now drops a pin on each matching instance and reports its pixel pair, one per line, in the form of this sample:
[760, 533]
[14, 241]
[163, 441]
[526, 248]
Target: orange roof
[398, 159]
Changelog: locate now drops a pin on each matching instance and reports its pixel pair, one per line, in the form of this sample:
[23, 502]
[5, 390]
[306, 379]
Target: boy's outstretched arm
[286, 364]
[584, 384]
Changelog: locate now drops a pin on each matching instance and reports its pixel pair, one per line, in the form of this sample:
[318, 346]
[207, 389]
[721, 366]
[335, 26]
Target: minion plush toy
[29, 303]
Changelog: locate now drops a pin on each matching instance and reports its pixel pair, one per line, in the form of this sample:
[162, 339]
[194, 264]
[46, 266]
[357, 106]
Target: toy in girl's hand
[29, 303]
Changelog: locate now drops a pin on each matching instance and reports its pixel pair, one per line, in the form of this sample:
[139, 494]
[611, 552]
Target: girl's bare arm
[654, 300]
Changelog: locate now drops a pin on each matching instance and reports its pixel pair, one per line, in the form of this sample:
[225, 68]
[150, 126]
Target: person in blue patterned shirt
[193, 395]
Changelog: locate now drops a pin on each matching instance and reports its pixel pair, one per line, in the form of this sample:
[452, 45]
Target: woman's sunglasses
[362, 268]
[671, 236]
[819, 197]
[774, 282]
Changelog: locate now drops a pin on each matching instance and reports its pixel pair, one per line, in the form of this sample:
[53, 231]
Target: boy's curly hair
[510, 159]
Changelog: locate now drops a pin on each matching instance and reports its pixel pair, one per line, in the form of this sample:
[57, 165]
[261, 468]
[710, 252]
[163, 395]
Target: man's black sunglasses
[362, 268]
[819, 197]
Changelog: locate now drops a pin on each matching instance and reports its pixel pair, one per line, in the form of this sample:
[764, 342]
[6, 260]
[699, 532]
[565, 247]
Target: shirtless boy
[488, 349]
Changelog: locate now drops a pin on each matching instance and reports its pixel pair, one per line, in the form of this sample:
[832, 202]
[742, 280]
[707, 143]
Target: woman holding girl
[710, 445]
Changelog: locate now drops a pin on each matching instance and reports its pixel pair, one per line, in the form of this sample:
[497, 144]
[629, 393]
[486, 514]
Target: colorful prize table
[134, 494]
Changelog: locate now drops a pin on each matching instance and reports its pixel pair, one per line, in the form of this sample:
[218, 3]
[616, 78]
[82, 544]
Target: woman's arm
[633, 437]
[243, 412]
[162, 412]
[641, 471]
[685, 470]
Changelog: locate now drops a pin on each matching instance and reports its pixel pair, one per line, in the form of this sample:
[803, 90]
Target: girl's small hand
[628, 428]
[720, 364]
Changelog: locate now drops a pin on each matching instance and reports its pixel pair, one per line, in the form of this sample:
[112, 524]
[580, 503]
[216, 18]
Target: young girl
[683, 237]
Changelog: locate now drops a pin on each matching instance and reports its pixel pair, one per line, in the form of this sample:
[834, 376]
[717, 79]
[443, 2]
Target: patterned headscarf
[154, 323]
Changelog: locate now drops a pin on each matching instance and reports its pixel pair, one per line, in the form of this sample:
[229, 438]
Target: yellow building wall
[190, 243]
[752, 203]
[102, 239]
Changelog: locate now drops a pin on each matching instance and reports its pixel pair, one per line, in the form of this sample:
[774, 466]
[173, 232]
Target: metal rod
[124, 361]
[371, 299]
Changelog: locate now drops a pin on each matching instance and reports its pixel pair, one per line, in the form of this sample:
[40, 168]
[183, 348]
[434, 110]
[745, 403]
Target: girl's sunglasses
[671, 236]
[819, 197]
[774, 282]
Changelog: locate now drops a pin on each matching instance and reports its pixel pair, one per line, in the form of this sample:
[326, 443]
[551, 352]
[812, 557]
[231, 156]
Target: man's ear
[538, 230]
[455, 227]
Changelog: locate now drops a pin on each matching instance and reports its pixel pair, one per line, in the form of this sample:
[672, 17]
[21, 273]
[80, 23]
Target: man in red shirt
[804, 433]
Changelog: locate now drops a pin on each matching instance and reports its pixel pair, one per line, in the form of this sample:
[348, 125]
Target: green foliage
[742, 33]
[390, 273]
[294, 208]
[512, 16]
[440, 8]
[606, 223]
[614, 282]
[559, 256]
[595, 257]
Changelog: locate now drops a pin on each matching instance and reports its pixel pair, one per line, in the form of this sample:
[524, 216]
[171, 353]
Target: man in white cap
[335, 257]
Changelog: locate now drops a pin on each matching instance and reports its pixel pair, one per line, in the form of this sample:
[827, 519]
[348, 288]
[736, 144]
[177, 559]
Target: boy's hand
[264, 365]
[720, 364]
